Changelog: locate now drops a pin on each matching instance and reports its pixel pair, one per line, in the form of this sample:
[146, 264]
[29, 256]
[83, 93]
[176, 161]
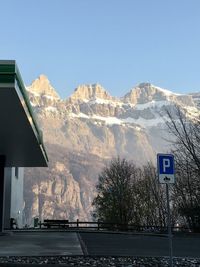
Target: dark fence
[111, 226]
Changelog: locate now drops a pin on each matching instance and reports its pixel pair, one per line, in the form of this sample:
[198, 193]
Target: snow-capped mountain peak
[150, 86]
[42, 87]
[146, 92]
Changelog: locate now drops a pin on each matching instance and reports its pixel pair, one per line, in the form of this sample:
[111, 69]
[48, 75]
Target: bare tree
[151, 198]
[186, 148]
[113, 202]
[127, 194]
[186, 132]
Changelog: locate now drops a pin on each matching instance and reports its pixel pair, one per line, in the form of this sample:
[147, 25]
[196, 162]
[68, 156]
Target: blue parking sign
[165, 163]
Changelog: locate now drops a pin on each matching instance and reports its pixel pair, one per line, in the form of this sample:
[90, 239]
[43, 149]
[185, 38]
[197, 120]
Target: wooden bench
[56, 223]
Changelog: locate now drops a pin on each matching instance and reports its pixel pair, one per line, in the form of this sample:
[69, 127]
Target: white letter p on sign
[166, 164]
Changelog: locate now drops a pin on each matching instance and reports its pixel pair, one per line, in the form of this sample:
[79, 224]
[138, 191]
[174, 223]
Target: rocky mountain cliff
[82, 133]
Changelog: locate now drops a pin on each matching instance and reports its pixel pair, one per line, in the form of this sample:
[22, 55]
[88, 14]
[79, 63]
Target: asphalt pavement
[140, 245]
[66, 243]
[40, 244]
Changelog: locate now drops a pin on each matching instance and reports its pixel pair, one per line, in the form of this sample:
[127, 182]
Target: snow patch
[152, 104]
[33, 104]
[79, 115]
[105, 101]
[165, 91]
[33, 93]
[50, 97]
[138, 128]
[116, 121]
[108, 120]
[51, 109]
[36, 94]
[102, 101]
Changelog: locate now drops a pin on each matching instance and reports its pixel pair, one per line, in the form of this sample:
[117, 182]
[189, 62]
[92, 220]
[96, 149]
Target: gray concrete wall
[17, 196]
[7, 198]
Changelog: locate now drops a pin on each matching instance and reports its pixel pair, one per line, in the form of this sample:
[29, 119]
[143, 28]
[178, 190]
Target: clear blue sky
[118, 43]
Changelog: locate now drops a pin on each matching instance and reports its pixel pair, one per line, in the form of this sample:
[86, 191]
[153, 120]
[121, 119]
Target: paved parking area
[65, 243]
[139, 245]
[40, 244]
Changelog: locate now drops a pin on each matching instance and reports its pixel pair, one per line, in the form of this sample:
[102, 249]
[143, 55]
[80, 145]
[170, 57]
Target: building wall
[7, 197]
[14, 197]
[17, 195]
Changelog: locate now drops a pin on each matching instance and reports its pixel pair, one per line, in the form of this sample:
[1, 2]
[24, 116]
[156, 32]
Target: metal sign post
[169, 227]
[166, 176]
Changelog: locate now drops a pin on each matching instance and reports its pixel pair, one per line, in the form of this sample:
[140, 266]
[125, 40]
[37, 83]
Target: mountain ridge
[84, 132]
[42, 79]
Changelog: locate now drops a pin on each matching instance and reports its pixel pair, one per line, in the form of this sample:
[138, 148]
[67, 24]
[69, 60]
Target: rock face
[82, 133]
[88, 92]
[42, 87]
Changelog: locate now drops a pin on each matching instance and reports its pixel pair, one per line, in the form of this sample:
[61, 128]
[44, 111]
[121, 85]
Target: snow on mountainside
[196, 98]
[141, 105]
[84, 132]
